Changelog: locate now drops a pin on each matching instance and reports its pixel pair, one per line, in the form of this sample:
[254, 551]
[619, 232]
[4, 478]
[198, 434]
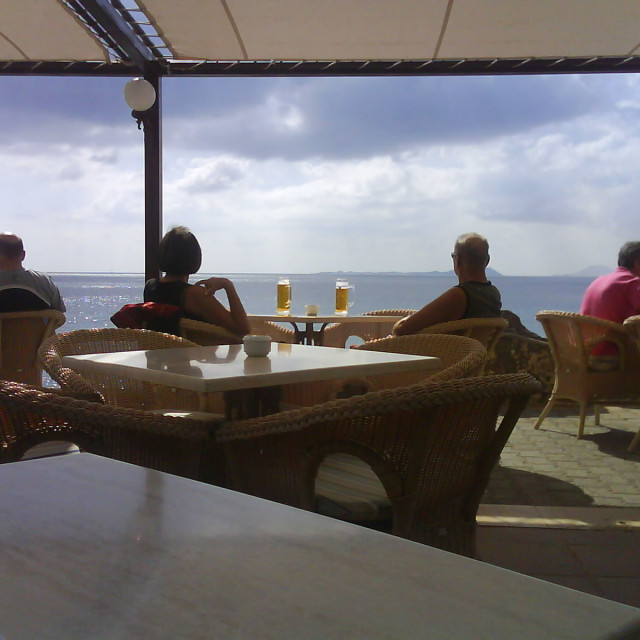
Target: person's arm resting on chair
[451, 305]
[201, 301]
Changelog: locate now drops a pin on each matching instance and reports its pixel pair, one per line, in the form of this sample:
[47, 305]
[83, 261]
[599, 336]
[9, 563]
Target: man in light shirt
[23, 289]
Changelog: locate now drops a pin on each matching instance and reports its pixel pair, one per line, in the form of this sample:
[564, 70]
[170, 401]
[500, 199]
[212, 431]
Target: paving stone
[550, 466]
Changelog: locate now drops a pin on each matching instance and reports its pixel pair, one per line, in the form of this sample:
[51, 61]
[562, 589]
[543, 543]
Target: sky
[302, 175]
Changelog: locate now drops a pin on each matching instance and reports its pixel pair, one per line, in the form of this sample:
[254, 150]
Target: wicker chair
[117, 391]
[21, 334]
[276, 332]
[583, 376]
[460, 357]
[336, 335]
[347, 483]
[205, 333]
[484, 330]
[432, 445]
[632, 325]
[32, 416]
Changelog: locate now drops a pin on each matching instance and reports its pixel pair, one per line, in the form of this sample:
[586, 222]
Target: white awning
[33, 30]
[397, 29]
[327, 30]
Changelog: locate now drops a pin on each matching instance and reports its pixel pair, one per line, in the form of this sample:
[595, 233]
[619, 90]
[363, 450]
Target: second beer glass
[344, 291]
[283, 301]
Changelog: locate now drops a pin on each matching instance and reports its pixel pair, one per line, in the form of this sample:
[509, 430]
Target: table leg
[242, 404]
[309, 335]
[301, 336]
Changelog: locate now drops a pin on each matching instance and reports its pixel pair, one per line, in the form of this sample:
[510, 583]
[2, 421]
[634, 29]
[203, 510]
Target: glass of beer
[283, 301]
[344, 297]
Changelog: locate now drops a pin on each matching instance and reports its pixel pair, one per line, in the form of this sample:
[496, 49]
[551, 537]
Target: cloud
[42, 112]
[209, 176]
[308, 174]
[77, 99]
[298, 118]
[70, 172]
[105, 156]
[334, 118]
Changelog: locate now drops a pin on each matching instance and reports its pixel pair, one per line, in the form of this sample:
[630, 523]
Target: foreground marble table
[94, 548]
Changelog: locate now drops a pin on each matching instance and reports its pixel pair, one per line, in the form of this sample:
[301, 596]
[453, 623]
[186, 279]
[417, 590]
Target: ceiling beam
[270, 68]
[112, 24]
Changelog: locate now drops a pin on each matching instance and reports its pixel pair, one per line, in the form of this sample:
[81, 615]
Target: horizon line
[493, 273]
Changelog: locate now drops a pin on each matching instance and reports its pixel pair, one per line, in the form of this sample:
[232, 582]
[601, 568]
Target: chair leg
[635, 442]
[596, 411]
[583, 415]
[545, 412]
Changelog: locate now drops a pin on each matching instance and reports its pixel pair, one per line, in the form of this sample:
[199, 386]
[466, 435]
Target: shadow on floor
[514, 486]
[562, 409]
[614, 442]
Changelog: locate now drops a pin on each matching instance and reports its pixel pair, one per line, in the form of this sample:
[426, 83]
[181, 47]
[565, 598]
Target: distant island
[594, 271]
[492, 273]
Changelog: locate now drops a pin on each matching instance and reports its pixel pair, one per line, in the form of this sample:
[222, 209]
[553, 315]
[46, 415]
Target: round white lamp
[139, 94]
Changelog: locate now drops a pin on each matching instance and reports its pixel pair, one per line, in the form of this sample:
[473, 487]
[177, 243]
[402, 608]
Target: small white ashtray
[311, 309]
[256, 346]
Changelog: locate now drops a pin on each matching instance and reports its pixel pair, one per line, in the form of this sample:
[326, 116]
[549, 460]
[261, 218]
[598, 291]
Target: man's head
[629, 257]
[470, 254]
[11, 251]
[179, 252]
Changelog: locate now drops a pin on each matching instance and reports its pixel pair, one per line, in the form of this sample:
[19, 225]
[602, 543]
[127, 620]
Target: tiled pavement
[568, 510]
[551, 467]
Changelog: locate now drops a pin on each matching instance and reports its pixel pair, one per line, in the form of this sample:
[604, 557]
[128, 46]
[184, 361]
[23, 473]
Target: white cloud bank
[303, 175]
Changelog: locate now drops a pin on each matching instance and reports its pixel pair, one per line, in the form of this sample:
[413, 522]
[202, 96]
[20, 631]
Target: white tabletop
[226, 367]
[94, 548]
[327, 319]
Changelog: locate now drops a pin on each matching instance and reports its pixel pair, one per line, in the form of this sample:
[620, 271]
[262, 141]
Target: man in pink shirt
[616, 296]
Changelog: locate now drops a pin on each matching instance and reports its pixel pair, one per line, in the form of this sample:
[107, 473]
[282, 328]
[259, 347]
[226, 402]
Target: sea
[92, 298]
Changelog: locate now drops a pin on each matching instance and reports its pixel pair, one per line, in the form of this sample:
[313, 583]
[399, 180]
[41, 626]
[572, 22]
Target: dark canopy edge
[273, 68]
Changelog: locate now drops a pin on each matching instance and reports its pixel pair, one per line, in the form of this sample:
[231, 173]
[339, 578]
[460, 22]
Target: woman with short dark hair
[179, 256]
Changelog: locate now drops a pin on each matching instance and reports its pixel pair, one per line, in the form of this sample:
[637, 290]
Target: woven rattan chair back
[276, 332]
[117, 391]
[32, 416]
[346, 485]
[460, 357]
[581, 375]
[206, 334]
[337, 335]
[484, 330]
[632, 325]
[432, 446]
[21, 334]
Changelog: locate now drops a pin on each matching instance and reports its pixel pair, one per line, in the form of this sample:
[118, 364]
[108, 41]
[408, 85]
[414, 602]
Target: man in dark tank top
[473, 297]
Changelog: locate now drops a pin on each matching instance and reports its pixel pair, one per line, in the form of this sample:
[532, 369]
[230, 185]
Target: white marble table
[227, 368]
[310, 335]
[94, 548]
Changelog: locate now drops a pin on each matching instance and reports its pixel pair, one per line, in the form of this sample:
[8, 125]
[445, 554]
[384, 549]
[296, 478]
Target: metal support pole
[152, 179]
